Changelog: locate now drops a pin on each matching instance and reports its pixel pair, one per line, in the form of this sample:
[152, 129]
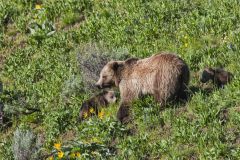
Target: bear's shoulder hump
[131, 61]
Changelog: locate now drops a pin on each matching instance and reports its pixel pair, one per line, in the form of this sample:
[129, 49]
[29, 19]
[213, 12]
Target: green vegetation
[44, 87]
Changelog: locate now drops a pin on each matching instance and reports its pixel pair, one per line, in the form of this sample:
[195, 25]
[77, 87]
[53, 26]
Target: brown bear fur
[103, 99]
[165, 76]
[219, 76]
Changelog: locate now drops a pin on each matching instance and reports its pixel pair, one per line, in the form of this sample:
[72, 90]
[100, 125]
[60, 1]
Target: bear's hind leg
[159, 98]
[183, 93]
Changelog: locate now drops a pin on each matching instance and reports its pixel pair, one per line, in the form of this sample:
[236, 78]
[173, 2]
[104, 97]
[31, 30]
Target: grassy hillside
[42, 47]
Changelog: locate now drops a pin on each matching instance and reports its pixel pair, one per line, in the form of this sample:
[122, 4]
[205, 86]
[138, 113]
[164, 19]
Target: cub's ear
[210, 71]
[116, 65]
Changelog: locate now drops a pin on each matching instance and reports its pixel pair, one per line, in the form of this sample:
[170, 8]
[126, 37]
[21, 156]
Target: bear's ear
[116, 65]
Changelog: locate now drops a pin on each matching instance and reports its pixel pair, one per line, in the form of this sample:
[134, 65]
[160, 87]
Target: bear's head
[207, 74]
[112, 72]
[109, 74]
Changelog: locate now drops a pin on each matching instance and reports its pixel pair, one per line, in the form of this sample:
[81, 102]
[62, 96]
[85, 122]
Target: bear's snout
[98, 85]
[203, 80]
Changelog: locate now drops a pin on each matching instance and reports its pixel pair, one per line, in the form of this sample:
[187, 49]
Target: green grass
[39, 69]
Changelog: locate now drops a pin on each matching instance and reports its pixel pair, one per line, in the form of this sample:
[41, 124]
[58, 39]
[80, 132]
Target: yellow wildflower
[186, 45]
[78, 154]
[50, 158]
[60, 154]
[185, 37]
[100, 114]
[91, 110]
[85, 115]
[72, 155]
[38, 6]
[96, 140]
[57, 146]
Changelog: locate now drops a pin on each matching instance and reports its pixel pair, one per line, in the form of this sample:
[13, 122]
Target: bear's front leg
[127, 96]
[123, 113]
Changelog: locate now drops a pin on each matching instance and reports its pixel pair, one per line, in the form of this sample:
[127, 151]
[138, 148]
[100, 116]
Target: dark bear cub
[219, 76]
[93, 105]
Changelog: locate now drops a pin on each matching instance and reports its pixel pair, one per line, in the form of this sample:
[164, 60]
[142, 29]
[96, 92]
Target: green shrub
[23, 144]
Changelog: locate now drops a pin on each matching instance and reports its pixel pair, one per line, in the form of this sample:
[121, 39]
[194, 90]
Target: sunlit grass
[39, 68]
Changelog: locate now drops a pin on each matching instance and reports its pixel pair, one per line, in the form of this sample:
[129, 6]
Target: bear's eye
[111, 97]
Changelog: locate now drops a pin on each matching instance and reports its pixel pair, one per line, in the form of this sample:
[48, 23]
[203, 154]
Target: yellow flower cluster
[78, 154]
[74, 155]
[60, 153]
[85, 115]
[186, 41]
[91, 110]
[38, 6]
[101, 114]
[96, 140]
[57, 146]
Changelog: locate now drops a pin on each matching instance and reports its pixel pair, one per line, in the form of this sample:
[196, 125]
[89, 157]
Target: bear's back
[162, 61]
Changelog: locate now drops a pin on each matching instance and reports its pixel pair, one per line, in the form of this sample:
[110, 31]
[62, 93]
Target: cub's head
[110, 97]
[108, 75]
[207, 74]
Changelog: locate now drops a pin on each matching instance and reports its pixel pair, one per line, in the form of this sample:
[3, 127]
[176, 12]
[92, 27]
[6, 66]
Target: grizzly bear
[219, 76]
[93, 105]
[165, 76]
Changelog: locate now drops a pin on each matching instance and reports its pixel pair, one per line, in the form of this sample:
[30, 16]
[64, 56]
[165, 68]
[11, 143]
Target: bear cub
[93, 105]
[219, 76]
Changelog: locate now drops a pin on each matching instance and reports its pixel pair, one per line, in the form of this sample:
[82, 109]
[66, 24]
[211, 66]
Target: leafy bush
[24, 145]
[41, 27]
[96, 136]
[6, 151]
